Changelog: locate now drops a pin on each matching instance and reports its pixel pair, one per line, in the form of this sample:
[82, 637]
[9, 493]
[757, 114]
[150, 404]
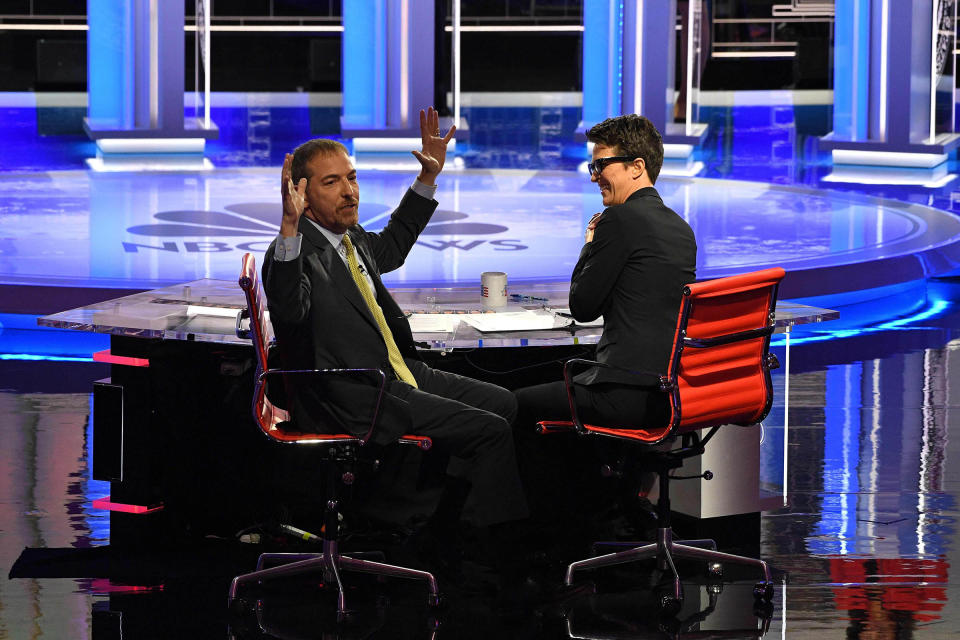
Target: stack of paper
[513, 321]
[222, 312]
[434, 322]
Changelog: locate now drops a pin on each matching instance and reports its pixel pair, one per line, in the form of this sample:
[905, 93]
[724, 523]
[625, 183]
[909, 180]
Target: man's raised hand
[294, 199]
[434, 147]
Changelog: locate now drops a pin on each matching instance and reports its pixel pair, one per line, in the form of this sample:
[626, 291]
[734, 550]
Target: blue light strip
[20, 334]
[617, 65]
[937, 308]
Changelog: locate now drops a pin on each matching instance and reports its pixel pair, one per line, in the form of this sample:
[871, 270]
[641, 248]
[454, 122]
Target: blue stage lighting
[364, 48]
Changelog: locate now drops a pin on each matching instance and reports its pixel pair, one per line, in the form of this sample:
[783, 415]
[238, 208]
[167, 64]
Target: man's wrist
[287, 248]
[288, 230]
[428, 179]
[424, 190]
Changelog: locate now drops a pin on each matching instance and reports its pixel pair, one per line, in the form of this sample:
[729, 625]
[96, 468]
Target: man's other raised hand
[433, 153]
[294, 199]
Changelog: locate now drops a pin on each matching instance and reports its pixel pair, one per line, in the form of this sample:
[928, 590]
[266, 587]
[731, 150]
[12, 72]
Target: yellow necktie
[396, 360]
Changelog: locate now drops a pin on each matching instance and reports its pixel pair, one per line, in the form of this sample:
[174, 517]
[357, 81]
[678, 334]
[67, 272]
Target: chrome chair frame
[341, 456]
[665, 549]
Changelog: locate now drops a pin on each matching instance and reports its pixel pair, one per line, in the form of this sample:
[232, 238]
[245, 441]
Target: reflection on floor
[864, 549]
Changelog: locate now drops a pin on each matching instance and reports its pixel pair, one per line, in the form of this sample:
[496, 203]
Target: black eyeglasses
[597, 166]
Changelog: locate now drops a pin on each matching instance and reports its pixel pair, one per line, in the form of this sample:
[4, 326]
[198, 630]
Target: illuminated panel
[110, 62]
[268, 28]
[396, 145]
[127, 162]
[43, 27]
[602, 35]
[883, 70]
[754, 54]
[510, 28]
[364, 64]
[235, 28]
[888, 158]
[151, 145]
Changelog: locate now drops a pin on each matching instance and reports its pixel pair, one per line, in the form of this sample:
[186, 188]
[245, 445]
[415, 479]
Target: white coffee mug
[493, 289]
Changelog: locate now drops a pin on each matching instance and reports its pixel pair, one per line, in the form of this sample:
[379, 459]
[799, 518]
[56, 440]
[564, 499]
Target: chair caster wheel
[669, 606]
[715, 569]
[763, 592]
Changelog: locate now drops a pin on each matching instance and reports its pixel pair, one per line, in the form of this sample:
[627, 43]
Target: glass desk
[185, 322]
[205, 311]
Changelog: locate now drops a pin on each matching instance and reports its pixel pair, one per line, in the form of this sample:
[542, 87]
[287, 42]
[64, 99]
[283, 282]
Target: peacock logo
[261, 220]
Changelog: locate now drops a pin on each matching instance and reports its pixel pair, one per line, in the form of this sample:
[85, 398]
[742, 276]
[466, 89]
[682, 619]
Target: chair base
[331, 563]
[664, 550]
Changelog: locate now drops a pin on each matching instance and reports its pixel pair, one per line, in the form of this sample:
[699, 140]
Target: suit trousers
[471, 420]
[561, 472]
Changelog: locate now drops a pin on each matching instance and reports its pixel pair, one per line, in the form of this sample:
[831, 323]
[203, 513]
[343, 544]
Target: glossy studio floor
[862, 546]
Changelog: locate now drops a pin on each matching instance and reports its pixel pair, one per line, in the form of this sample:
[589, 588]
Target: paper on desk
[222, 312]
[433, 322]
[143, 315]
[512, 321]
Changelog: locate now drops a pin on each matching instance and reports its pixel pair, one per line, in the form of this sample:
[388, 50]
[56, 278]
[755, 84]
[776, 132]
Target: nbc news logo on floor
[197, 231]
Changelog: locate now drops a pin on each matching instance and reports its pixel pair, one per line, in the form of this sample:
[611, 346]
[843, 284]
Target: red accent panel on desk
[105, 585]
[106, 356]
[105, 504]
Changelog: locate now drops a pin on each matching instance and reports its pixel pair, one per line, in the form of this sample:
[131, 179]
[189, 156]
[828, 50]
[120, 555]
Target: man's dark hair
[308, 151]
[633, 136]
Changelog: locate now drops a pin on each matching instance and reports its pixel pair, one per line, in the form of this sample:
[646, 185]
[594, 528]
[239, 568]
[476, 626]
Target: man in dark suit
[330, 309]
[637, 256]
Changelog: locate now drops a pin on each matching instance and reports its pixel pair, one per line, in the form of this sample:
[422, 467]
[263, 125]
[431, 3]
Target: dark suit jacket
[632, 273]
[321, 321]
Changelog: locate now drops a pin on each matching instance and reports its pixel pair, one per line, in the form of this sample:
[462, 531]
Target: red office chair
[719, 373]
[338, 451]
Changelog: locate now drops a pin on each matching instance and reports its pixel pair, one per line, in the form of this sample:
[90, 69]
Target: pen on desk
[517, 298]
